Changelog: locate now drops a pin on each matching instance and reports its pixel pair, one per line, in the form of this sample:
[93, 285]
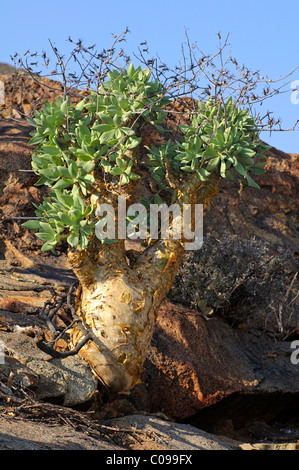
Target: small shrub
[241, 280]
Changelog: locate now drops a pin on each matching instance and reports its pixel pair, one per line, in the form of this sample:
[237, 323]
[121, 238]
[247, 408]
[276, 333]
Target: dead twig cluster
[49, 313]
[284, 312]
[198, 75]
[17, 403]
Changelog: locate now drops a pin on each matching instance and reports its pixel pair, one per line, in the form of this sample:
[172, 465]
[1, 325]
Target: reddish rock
[270, 213]
[194, 363]
[22, 304]
[24, 95]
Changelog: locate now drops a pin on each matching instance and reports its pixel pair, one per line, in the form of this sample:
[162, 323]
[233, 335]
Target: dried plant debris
[18, 403]
[242, 281]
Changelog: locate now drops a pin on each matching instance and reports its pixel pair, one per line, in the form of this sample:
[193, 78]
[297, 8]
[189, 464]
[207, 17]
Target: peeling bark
[117, 302]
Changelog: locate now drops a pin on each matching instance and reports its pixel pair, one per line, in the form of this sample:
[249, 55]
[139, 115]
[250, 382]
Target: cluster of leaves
[58, 126]
[99, 134]
[97, 138]
[221, 137]
[120, 104]
[63, 212]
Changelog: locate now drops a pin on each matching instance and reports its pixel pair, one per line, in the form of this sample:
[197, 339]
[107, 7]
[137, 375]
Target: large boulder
[68, 381]
[16, 434]
[194, 362]
[136, 432]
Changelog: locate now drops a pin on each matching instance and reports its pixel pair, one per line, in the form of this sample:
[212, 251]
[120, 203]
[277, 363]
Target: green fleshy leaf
[37, 139]
[187, 169]
[251, 182]
[73, 239]
[223, 169]
[32, 224]
[49, 246]
[202, 174]
[45, 236]
[62, 183]
[240, 168]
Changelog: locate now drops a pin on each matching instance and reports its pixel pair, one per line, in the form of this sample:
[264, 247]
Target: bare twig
[198, 75]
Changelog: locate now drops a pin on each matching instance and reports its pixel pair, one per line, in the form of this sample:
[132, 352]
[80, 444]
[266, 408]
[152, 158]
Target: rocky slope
[223, 372]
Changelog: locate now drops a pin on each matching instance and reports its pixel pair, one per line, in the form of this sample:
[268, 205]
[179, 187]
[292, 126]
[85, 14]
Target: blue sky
[263, 35]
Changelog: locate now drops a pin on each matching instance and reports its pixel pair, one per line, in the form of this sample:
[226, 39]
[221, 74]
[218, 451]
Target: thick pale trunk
[117, 305]
[117, 302]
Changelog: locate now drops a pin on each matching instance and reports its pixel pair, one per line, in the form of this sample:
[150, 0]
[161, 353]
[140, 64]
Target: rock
[6, 69]
[69, 380]
[22, 303]
[269, 214]
[268, 446]
[194, 363]
[137, 432]
[171, 436]
[11, 320]
[23, 94]
[16, 434]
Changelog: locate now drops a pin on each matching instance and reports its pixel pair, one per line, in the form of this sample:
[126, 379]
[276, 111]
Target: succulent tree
[92, 155]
